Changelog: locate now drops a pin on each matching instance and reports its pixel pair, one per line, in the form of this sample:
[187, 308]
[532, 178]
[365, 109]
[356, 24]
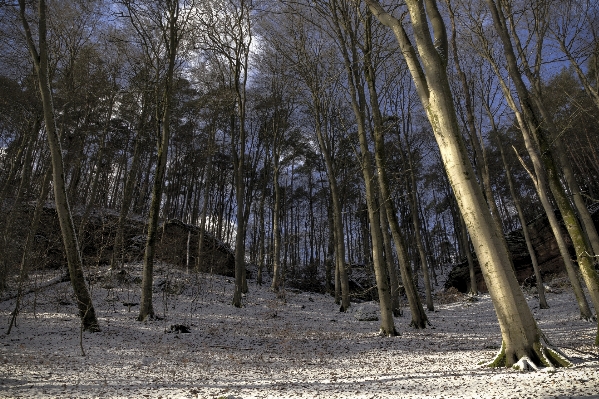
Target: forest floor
[292, 346]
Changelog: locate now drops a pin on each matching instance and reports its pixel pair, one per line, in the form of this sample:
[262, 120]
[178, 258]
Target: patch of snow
[296, 345]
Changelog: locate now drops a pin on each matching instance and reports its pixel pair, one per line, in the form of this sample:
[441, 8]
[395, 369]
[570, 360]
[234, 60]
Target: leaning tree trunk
[417, 230]
[515, 197]
[477, 144]
[548, 157]
[419, 318]
[358, 103]
[585, 217]
[521, 335]
[75, 264]
[540, 181]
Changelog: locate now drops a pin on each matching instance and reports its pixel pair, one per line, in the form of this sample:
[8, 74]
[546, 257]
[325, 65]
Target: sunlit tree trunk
[539, 178]
[521, 336]
[477, 143]
[548, 156]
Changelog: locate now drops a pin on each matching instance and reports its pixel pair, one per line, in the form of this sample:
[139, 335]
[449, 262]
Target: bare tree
[522, 338]
[160, 27]
[541, 126]
[40, 57]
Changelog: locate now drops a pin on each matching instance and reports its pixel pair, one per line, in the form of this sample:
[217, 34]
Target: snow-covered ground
[298, 346]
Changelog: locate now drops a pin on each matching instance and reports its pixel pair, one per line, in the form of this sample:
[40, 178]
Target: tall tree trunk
[477, 143]
[89, 204]
[199, 263]
[539, 178]
[262, 227]
[118, 253]
[419, 318]
[172, 35]
[417, 232]
[40, 60]
[238, 143]
[548, 156]
[521, 335]
[391, 270]
[14, 162]
[14, 211]
[208, 171]
[341, 278]
[466, 247]
[276, 228]
[540, 181]
[585, 217]
[515, 197]
[358, 103]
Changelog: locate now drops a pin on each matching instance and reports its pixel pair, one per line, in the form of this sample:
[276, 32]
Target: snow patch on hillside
[276, 346]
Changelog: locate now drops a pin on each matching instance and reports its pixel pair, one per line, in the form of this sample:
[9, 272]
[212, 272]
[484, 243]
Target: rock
[179, 328]
[96, 243]
[366, 313]
[544, 244]
[362, 284]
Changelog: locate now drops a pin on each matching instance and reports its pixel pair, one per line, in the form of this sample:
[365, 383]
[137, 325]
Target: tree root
[545, 355]
[499, 359]
[525, 364]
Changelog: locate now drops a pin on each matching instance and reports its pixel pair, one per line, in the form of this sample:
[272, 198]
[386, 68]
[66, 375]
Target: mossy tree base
[542, 355]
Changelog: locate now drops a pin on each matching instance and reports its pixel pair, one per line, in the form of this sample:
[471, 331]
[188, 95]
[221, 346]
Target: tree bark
[515, 197]
[413, 187]
[521, 336]
[358, 103]
[75, 264]
[391, 270]
[548, 157]
[477, 144]
[341, 278]
[419, 318]
[172, 36]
